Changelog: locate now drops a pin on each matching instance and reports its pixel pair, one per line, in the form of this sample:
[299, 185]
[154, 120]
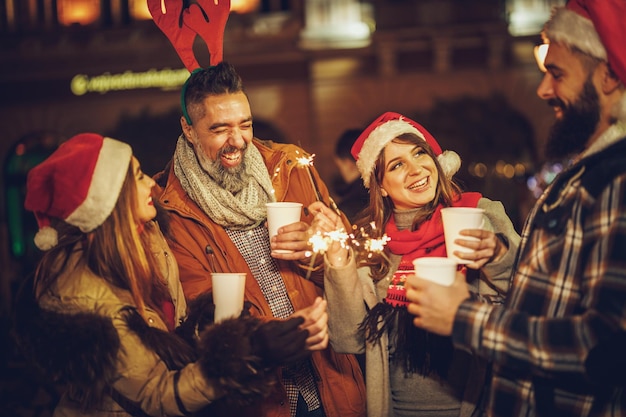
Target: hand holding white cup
[438, 269]
[281, 214]
[456, 219]
[228, 290]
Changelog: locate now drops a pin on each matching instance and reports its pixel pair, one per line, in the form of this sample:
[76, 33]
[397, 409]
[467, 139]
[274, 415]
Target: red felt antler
[182, 23]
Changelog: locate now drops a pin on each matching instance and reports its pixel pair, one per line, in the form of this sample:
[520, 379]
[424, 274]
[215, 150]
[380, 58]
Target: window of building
[139, 10]
[82, 12]
[526, 17]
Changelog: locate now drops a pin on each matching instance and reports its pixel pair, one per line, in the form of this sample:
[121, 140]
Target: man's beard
[231, 179]
[570, 134]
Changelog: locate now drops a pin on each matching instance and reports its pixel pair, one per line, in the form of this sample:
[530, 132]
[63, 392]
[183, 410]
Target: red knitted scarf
[428, 239]
[416, 350]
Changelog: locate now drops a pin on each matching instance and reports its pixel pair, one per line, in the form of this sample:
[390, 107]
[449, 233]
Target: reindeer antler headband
[182, 20]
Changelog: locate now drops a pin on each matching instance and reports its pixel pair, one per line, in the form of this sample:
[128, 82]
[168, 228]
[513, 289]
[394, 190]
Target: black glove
[280, 342]
[201, 314]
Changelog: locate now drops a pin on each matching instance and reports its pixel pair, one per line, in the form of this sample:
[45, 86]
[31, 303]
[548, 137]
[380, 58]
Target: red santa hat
[595, 27]
[383, 130]
[79, 184]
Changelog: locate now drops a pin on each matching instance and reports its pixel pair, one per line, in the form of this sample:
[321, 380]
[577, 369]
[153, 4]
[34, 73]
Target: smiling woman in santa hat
[99, 316]
[409, 371]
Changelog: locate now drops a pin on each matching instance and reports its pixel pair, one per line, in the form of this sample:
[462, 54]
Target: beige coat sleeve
[498, 273]
[347, 293]
[145, 379]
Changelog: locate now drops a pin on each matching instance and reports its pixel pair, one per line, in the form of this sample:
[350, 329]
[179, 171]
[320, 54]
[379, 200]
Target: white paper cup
[436, 269]
[456, 219]
[280, 214]
[228, 288]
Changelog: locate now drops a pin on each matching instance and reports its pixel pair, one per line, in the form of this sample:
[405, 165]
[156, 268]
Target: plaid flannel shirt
[568, 296]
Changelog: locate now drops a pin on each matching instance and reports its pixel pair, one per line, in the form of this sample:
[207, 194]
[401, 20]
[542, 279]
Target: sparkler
[320, 242]
[307, 163]
[374, 245]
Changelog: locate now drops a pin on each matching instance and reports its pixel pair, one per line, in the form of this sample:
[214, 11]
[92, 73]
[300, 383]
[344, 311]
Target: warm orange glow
[10, 15]
[86, 12]
[244, 6]
[83, 12]
[139, 10]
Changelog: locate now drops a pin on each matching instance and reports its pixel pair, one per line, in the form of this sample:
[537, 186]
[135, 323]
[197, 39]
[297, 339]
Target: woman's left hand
[326, 220]
[486, 247]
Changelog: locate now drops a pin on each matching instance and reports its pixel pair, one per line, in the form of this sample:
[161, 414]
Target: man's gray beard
[231, 179]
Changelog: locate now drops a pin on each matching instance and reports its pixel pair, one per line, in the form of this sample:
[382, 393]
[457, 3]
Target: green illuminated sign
[166, 79]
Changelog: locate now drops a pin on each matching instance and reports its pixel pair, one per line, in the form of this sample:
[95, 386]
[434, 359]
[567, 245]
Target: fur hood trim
[239, 369]
[79, 350]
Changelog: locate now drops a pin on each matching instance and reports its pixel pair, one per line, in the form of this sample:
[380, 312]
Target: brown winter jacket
[202, 246]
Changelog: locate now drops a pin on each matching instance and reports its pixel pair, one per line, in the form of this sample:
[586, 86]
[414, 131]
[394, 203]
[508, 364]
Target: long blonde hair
[115, 251]
[372, 221]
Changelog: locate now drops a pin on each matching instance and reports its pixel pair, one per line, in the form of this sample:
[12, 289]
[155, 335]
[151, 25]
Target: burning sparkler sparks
[320, 242]
[305, 160]
[376, 245]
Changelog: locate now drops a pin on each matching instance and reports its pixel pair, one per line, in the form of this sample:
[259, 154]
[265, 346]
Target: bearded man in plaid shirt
[558, 343]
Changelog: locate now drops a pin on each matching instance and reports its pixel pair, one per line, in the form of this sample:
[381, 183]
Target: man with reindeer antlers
[215, 189]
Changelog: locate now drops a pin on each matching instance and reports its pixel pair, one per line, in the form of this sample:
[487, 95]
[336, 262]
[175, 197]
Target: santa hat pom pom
[46, 238]
[450, 163]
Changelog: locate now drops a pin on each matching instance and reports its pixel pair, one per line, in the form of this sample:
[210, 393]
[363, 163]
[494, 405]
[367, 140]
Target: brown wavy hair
[115, 251]
[372, 221]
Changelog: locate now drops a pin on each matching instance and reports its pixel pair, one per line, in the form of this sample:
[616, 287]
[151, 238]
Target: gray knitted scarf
[243, 211]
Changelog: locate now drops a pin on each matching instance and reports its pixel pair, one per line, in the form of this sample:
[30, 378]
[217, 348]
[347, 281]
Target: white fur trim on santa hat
[449, 160]
[570, 28]
[105, 186]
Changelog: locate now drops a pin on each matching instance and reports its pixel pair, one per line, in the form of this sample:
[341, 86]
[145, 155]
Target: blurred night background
[312, 69]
